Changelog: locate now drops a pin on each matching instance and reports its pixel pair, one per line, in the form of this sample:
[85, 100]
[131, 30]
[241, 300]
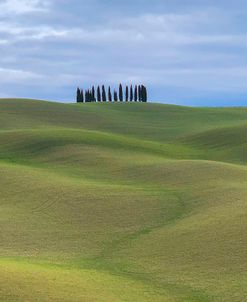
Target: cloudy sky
[191, 52]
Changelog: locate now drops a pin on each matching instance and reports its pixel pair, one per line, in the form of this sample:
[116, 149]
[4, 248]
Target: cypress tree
[90, 96]
[98, 94]
[103, 94]
[144, 94]
[139, 93]
[82, 96]
[115, 96]
[109, 94]
[120, 93]
[131, 93]
[127, 94]
[136, 94]
[93, 94]
[78, 95]
[86, 96]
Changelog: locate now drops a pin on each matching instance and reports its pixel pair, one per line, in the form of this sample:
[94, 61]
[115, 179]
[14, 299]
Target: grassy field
[122, 202]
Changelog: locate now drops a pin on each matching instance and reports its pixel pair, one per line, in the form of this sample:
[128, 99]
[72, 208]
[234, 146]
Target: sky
[187, 52]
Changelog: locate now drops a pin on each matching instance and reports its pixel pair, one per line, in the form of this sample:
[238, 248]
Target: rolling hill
[122, 202]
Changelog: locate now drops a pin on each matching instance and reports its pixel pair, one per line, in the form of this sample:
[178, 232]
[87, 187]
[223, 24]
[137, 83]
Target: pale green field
[122, 202]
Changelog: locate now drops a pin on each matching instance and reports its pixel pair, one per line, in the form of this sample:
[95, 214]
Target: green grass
[122, 202]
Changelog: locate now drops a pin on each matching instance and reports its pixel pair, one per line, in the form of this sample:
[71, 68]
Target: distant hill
[122, 202]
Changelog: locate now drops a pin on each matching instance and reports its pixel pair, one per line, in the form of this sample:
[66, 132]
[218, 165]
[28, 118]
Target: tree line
[138, 93]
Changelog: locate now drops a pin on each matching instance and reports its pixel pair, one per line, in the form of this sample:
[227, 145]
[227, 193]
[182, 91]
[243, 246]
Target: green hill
[122, 202]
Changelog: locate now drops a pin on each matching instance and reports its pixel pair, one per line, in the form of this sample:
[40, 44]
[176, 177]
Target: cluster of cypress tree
[138, 93]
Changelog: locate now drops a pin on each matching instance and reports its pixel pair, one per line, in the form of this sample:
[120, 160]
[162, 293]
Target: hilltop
[122, 202]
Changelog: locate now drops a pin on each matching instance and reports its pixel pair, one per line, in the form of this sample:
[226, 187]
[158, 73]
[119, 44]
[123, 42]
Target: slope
[122, 202]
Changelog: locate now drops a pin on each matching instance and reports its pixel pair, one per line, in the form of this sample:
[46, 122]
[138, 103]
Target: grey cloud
[16, 75]
[61, 44]
[23, 6]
